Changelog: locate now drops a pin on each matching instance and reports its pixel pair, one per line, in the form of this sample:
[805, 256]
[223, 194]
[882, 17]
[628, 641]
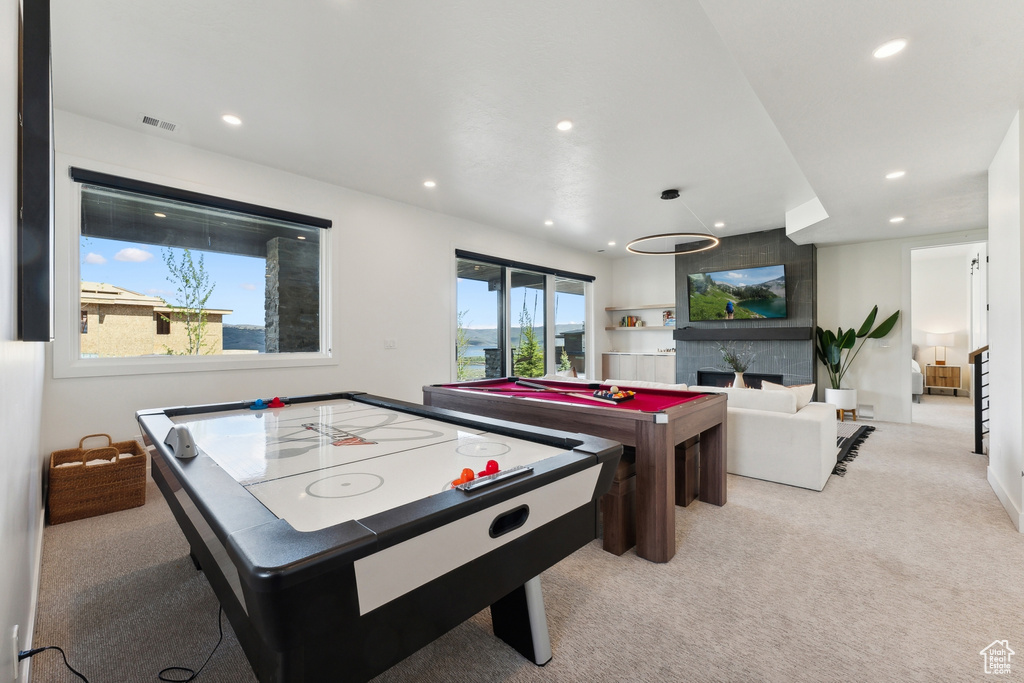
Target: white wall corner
[805, 215]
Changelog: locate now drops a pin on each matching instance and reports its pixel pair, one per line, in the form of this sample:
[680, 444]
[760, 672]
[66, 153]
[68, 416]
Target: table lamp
[937, 339]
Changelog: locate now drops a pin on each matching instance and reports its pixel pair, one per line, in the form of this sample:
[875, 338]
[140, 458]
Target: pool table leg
[519, 620]
[712, 465]
[655, 492]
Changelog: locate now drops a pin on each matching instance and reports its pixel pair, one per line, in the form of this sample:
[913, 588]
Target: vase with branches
[738, 357]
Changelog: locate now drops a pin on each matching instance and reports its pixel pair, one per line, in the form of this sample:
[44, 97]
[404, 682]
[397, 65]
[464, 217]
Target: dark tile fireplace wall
[782, 346]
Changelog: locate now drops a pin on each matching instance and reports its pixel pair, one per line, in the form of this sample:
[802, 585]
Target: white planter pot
[737, 381]
[842, 399]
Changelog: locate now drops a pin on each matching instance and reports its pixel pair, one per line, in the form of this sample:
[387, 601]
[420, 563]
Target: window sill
[165, 365]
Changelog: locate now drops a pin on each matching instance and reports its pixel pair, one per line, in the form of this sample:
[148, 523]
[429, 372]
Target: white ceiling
[749, 108]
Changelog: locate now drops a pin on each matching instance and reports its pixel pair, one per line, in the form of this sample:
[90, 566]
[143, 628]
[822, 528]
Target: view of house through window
[168, 277]
[484, 313]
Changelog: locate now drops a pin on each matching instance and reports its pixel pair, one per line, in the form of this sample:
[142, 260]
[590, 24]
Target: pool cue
[534, 385]
[543, 391]
[567, 392]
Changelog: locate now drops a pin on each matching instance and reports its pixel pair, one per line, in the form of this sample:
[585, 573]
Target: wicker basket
[89, 490]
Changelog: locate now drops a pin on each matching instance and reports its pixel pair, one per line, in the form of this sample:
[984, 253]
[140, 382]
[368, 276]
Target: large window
[570, 316]
[163, 276]
[511, 315]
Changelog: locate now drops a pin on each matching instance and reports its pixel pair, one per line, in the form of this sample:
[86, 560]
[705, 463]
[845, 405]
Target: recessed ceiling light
[719, 224]
[890, 48]
[895, 174]
[896, 219]
[549, 223]
[564, 125]
[232, 119]
[160, 215]
[300, 237]
[429, 183]
[611, 244]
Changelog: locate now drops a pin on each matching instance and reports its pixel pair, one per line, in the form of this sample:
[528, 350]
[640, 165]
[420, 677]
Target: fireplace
[712, 378]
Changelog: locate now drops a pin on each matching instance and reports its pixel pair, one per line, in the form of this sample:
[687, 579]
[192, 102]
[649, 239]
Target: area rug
[850, 437]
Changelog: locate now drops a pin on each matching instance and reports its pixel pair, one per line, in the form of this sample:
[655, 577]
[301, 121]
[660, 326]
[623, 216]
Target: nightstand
[942, 377]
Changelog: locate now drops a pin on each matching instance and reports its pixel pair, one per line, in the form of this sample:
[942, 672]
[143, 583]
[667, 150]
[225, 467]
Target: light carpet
[903, 570]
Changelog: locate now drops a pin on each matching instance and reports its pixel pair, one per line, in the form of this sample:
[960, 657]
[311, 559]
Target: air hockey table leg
[519, 620]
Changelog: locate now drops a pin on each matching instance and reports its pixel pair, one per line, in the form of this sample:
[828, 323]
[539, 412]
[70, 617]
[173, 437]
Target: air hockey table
[655, 421]
[330, 532]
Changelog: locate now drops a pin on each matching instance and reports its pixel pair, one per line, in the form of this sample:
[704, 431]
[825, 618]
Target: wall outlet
[390, 343]
[15, 645]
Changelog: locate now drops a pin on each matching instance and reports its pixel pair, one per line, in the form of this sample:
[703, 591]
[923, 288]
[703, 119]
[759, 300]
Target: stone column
[293, 296]
[492, 362]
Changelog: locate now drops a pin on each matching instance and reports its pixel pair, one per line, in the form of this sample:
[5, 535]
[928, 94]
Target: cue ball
[614, 390]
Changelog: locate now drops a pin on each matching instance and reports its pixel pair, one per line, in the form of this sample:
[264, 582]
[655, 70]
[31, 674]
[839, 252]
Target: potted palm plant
[837, 351]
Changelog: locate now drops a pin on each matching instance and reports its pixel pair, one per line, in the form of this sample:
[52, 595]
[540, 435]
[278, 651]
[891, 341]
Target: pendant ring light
[674, 243]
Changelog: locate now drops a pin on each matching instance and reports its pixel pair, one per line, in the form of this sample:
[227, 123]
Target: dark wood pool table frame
[655, 436]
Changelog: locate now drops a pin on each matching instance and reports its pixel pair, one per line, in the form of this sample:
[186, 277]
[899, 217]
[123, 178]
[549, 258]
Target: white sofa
[770, 439]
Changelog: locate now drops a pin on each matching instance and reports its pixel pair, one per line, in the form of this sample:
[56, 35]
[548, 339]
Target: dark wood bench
[618, 506]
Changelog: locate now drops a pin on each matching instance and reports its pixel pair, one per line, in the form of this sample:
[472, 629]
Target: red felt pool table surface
[644, 400]
[655, 422]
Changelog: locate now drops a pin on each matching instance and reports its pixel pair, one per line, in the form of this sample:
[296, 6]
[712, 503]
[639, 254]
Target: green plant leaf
[848, 339]
[885, 327]
[868, 322]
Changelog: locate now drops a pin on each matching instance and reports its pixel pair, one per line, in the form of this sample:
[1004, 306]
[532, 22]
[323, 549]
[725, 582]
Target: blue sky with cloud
[748, 276]
[238, 281]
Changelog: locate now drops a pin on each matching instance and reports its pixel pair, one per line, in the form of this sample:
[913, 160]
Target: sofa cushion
[803, 392]
[755, 399]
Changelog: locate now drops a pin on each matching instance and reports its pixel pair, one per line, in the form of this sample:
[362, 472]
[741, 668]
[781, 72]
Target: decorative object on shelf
[738, 358]
[837, 351]
[676, 242]
[938, 339]
[668, 319]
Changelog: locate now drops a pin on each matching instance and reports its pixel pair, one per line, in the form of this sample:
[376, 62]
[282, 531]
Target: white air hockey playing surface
[320, 464]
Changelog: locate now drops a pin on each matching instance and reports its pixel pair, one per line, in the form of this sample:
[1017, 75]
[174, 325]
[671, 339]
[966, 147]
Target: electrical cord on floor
[184, 669]
[25, 654]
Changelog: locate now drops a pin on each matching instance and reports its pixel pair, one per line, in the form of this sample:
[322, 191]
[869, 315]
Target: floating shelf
[641, 308]
[660, 328]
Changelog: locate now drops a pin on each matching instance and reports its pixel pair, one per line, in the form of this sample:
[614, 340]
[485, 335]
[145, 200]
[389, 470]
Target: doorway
[949, 320]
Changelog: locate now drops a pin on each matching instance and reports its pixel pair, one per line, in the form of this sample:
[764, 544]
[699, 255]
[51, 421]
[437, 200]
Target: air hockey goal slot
[509, 521]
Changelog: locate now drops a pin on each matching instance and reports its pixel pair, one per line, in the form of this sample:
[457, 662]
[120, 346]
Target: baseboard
[28, 635]
[1011, 509]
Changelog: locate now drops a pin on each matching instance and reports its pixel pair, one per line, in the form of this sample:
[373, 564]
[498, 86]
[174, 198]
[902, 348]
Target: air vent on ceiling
[157, 123]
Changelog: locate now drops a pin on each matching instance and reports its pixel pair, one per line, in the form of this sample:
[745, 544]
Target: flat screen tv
[738, 294]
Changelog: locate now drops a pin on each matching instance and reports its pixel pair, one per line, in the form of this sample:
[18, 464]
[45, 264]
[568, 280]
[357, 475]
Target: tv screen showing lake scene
[740, 294]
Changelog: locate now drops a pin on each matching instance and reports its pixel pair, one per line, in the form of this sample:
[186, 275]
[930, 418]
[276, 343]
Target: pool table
[331, 534]
[655, 421]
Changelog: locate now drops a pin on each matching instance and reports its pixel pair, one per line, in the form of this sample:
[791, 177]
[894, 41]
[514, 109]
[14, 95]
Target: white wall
[941, 302]
[639, 281]
[21, 386]
[1006, 413]
[392, 274]
[851, 279]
